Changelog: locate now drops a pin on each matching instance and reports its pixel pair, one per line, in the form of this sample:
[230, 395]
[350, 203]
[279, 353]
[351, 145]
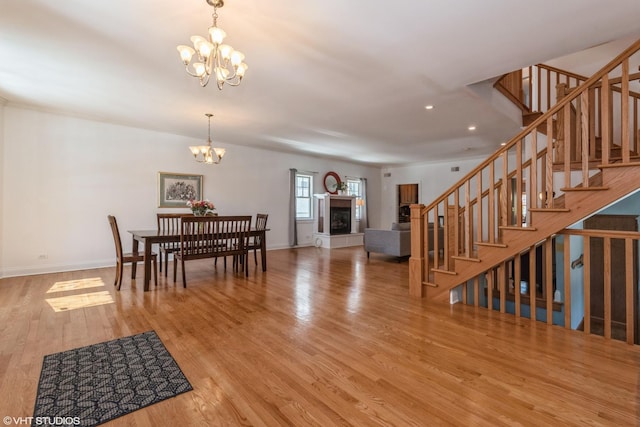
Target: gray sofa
[395, 242]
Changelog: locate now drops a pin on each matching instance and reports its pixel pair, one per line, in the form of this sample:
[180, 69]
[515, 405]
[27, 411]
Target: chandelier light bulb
[205, 50]
[225, 51]
[196, 40]
[221, 73]
[215, 59]
[241, 69]
[186, 53]
[199, 69]
[237, 58]
[217, 35]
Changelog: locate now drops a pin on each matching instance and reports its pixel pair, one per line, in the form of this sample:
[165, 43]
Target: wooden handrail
[618, 80]
[563, 72]
[511, 86]
[540, 120]
[551, 282]
[560, 75]
[487, 203]
[614, 234]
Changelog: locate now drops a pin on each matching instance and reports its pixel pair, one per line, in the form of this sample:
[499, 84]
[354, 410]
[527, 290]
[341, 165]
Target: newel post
[416, 262]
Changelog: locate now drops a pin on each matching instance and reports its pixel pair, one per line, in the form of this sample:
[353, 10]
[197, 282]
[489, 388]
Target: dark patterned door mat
[91, 385]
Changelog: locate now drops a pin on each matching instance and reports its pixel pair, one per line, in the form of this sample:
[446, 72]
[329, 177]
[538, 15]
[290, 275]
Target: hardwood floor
[324, 337]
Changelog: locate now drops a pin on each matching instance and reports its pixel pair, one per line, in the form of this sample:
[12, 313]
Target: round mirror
[331, 181]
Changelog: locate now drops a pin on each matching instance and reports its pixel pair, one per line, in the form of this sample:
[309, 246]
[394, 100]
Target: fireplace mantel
[331, 229]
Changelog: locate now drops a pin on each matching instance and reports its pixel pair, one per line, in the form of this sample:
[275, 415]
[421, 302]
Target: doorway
[407, 196]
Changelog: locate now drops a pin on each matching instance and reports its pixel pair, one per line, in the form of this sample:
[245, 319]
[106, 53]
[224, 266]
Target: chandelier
[214, 58]
[205, 153]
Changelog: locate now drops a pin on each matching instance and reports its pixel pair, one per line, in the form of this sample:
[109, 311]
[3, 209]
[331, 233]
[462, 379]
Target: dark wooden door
[407, 195]
[618, 272]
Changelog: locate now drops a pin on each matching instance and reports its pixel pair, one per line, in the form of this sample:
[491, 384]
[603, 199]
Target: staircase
[552, 85]
[572, 159]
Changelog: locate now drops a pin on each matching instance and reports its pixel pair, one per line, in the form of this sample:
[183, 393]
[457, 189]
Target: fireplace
[335, 225]
[336, 215]
[339, 220]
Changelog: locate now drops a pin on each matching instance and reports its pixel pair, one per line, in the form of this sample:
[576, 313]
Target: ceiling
[335, 78]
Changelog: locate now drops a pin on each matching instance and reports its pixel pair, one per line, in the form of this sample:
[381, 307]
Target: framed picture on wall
[176, 189]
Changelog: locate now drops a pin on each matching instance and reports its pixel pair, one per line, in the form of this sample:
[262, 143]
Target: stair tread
[437, 270]
[549, 209]
[529, 117]
[433, 285]
[494, 245]
[584, 189]
[619, 165]
[593, 164]
[515, 227]
[532, 113]
[466, 258]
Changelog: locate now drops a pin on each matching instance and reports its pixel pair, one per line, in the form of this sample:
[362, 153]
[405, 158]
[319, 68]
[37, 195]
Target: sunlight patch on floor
[73, 302]
[72, 285]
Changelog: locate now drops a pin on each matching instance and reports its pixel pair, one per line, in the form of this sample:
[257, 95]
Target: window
[353, 189]
[304, 184]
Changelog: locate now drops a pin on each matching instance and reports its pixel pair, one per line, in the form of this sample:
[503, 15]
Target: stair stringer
[621, 181]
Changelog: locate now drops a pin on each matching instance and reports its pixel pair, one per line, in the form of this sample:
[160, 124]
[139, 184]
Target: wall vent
[387, 174]
[455, 169]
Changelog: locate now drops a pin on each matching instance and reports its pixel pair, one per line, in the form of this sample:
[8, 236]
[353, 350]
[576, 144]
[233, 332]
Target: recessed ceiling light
[428, 107]
[503, 143]
[472, 127]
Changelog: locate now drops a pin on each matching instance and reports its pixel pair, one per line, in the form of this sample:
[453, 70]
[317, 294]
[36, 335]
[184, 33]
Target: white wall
[433, 179]
[62, 176]
[2, 180]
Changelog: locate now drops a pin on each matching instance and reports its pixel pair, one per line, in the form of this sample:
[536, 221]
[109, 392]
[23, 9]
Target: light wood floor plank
[324, 337]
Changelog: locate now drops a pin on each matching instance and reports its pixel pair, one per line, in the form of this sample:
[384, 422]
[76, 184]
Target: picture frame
[176, 189]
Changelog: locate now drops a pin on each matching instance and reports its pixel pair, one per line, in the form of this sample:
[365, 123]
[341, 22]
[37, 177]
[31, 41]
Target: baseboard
[54, 268]
[60, 268]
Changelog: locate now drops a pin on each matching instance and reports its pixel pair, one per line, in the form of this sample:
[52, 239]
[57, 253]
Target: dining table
[151, 237]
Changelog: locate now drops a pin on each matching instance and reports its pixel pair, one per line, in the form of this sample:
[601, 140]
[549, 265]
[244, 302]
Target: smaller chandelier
[214, 58]
[205, 153]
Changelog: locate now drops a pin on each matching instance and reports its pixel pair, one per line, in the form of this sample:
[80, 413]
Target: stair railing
[533, 88]
[536, 88]
[547, 283]
[530, 172]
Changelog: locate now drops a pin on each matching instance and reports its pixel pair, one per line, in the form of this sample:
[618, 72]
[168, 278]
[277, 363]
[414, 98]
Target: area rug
[91, 385]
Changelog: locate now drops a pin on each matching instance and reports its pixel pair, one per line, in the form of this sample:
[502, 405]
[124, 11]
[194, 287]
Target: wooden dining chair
[168, 223]
[255, 242]
[211, 237]
[124, 258]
